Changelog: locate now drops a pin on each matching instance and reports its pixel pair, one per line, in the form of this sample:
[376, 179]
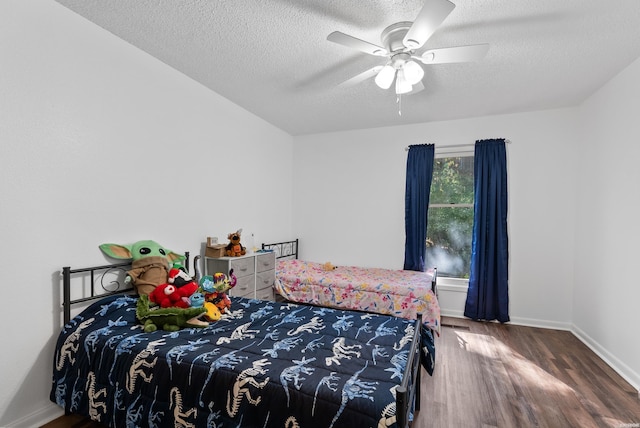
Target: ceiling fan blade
[361, 77]
[456, 54]
[433, 13]
[355, 43]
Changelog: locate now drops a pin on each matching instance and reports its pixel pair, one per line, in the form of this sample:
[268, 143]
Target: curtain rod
[453, 146]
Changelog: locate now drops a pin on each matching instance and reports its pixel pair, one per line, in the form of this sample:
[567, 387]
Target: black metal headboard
[109, 278]
[283, 249]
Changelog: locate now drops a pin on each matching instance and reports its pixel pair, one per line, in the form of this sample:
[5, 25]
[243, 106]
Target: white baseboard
[451, 313]
[533, 322]
[618, 366]
[527, 322]
[38, 418]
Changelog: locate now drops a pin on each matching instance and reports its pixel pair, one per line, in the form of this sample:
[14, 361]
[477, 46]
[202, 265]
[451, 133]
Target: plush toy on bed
[215, 287]
[177, 291]
[170, 319]
[328, 266]
[207, 288]
[165, 295]
[185, 284]
[150, 263]
[213, 313]
[234, 248]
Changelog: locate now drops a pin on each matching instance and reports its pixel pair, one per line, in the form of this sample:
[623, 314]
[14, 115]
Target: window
[450, 215]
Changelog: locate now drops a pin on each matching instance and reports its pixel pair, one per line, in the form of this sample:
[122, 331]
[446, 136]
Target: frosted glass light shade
[384, 79]
[413, 73]
[402, 85]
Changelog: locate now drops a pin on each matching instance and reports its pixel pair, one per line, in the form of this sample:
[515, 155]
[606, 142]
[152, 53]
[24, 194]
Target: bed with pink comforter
[399, 293]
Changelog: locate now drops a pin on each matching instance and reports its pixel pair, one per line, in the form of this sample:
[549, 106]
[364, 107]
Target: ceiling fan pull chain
[399, 102]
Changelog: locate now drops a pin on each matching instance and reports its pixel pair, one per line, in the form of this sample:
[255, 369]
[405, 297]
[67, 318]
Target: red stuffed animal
[176, 292]
[165, 295]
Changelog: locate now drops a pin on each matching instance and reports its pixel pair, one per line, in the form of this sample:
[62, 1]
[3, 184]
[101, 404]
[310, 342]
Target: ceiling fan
[400, 44]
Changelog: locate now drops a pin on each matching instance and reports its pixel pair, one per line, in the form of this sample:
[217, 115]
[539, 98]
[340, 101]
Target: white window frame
[463, 150]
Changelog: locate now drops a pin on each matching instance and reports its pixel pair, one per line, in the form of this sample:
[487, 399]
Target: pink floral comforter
[392, 292]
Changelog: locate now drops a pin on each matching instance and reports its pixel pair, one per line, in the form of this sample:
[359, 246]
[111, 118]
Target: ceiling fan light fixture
[413, 73]
[400, 42]
[402, 85]
[384, 79]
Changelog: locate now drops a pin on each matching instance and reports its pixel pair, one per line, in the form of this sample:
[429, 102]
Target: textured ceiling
[272, 57]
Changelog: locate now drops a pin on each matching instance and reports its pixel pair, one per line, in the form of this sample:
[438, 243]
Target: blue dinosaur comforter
[264, 364]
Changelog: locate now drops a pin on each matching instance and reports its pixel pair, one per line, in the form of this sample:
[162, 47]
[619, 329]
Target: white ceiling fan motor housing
[392, 37]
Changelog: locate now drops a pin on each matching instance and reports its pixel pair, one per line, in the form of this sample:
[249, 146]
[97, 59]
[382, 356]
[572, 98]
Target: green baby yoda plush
[150, 263]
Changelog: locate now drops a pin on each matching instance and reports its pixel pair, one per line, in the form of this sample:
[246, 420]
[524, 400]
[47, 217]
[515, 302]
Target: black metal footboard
[408, 393]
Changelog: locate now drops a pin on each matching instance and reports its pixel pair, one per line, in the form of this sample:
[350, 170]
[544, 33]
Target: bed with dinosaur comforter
[264, 364]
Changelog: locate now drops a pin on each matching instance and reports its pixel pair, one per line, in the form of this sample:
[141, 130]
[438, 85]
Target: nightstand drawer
[244, 287]
[265, 280]
[242, 267]
[266, 261]
[249, 295]
[266, 294]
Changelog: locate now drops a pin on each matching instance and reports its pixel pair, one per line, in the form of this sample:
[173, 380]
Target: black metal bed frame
[408, 392]
[283, 249]
[97, 276]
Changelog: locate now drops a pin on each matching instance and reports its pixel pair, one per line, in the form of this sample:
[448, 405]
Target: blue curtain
[416, 204]
[488, 294]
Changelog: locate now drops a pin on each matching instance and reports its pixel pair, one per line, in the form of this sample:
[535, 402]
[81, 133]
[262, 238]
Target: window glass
[450, 216]
[452, 180]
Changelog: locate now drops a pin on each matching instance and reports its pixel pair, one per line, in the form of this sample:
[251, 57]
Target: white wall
[100, 142]
[607, 295]
[349, 201]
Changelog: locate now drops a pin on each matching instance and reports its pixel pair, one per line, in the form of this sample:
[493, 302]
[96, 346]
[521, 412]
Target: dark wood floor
[492, 375]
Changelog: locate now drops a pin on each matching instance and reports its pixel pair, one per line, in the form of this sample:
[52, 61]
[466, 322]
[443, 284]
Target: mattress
[400, 293]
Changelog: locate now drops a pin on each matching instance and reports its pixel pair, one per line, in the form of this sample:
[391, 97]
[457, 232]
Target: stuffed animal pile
[169, 297]
[169, 319]
[214, 288]
[177, 291]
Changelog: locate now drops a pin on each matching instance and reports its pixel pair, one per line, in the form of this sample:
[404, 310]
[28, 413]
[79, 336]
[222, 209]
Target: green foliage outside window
[450, 216]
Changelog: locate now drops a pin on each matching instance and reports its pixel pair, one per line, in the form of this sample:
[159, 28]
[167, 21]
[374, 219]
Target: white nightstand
[255, 273]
